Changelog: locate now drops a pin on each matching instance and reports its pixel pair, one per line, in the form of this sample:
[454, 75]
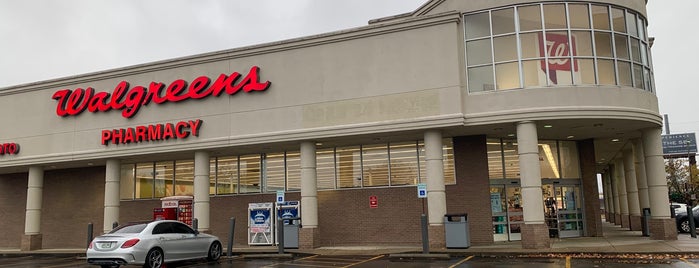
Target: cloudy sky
[43, 39]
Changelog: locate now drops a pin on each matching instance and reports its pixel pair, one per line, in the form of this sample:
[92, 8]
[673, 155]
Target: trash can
[456, 230]
[291, 232]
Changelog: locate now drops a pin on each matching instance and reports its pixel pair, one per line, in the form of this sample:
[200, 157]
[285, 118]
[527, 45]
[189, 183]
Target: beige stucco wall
[398, 76]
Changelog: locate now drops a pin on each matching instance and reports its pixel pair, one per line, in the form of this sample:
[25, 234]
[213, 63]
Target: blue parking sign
[280, 196]
[421, 190]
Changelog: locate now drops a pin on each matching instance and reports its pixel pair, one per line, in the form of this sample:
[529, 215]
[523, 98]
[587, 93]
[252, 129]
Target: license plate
[105, 245]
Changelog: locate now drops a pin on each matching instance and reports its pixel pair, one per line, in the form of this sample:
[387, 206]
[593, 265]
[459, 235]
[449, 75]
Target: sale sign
[558, 49]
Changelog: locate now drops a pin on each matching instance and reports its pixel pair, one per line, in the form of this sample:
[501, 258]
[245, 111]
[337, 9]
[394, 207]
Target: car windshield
[129, 229]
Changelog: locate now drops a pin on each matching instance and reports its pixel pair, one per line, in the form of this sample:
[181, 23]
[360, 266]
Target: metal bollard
[692, 225]
[115, 224]
[89, 234]
[280, 235]
[229, 251]
[195, 224]
[644, 222]
[425, 235]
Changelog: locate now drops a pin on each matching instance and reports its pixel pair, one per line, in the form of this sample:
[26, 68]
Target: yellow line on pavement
[374, 258]
[460, 262]
[567, 261]
[688, 262]
[307, 257]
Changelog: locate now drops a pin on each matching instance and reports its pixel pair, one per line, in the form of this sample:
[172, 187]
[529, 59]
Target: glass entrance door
[563, 209]
[506, 207]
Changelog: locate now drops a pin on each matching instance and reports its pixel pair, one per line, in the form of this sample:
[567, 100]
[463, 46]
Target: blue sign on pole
[421, 190]
[679, 144]
[280, 197]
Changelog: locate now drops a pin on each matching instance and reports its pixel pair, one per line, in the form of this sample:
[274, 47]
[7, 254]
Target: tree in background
[680, 186]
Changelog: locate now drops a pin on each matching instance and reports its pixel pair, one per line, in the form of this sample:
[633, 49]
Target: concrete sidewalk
[615, 240]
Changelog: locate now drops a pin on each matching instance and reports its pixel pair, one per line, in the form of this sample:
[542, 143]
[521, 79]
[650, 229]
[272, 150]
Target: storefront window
[503, 21]
[404, 166]
[584, 53]
[293, 171]
[548, 160]
[529, 18]
[227, 175]
[477, 25]
[555, 16]
[349, 167]
[184, 177]
[250, 173]
[144, 180]
[375, 165]
[212, 176]
[325, 168]
[579, 18]
[448, 160]
[274, 173]
[126, 191]
[600, 17]
[557, 159]
[164, 179]
[511, 159]
[495, 168]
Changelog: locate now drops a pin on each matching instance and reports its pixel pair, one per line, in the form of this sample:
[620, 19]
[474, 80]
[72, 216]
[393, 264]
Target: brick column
[593, 217]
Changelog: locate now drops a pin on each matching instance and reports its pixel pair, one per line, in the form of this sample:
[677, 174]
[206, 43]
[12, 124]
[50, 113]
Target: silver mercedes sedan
[152, 244]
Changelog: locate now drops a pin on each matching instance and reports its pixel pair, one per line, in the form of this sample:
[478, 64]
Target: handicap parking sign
[280, 196]
[421, 190]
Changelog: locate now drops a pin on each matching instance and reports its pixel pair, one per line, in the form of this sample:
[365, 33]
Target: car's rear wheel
[684, 226]
[214, 251]
[154, 258]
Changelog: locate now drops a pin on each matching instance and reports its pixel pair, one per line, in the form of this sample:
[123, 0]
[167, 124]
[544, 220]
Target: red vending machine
[178, 208]
[164, 214]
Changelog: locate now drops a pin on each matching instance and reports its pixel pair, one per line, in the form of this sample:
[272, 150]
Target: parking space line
[309, 257]
[689, 262]
[460, 262]
[567, 261]
[374, 258]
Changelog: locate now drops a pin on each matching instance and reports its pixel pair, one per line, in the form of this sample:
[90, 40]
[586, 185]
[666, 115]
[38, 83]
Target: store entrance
[506, 206]
[563, 208]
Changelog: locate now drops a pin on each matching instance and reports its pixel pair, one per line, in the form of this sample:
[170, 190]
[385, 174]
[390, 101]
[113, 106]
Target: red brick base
[535, 236]
[617, 219]
[625, 220]
[437, 236]
[309, 238]
[635, 223]
[663, 229]
[31, 242]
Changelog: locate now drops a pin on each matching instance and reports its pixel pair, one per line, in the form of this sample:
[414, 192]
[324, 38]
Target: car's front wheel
[214, 251]
[684, 226]
[154, 259]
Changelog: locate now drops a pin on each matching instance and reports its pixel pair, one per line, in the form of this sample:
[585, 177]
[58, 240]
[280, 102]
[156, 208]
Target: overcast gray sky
[43, 39]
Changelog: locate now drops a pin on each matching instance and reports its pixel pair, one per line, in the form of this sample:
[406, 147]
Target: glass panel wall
[374, 165]
[557, 159]
[293, 171]
[184, 177]
[250, 174]
[543, 49]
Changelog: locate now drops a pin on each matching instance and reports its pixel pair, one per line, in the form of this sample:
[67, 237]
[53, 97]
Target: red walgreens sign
[130, 100]
[558, 50]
